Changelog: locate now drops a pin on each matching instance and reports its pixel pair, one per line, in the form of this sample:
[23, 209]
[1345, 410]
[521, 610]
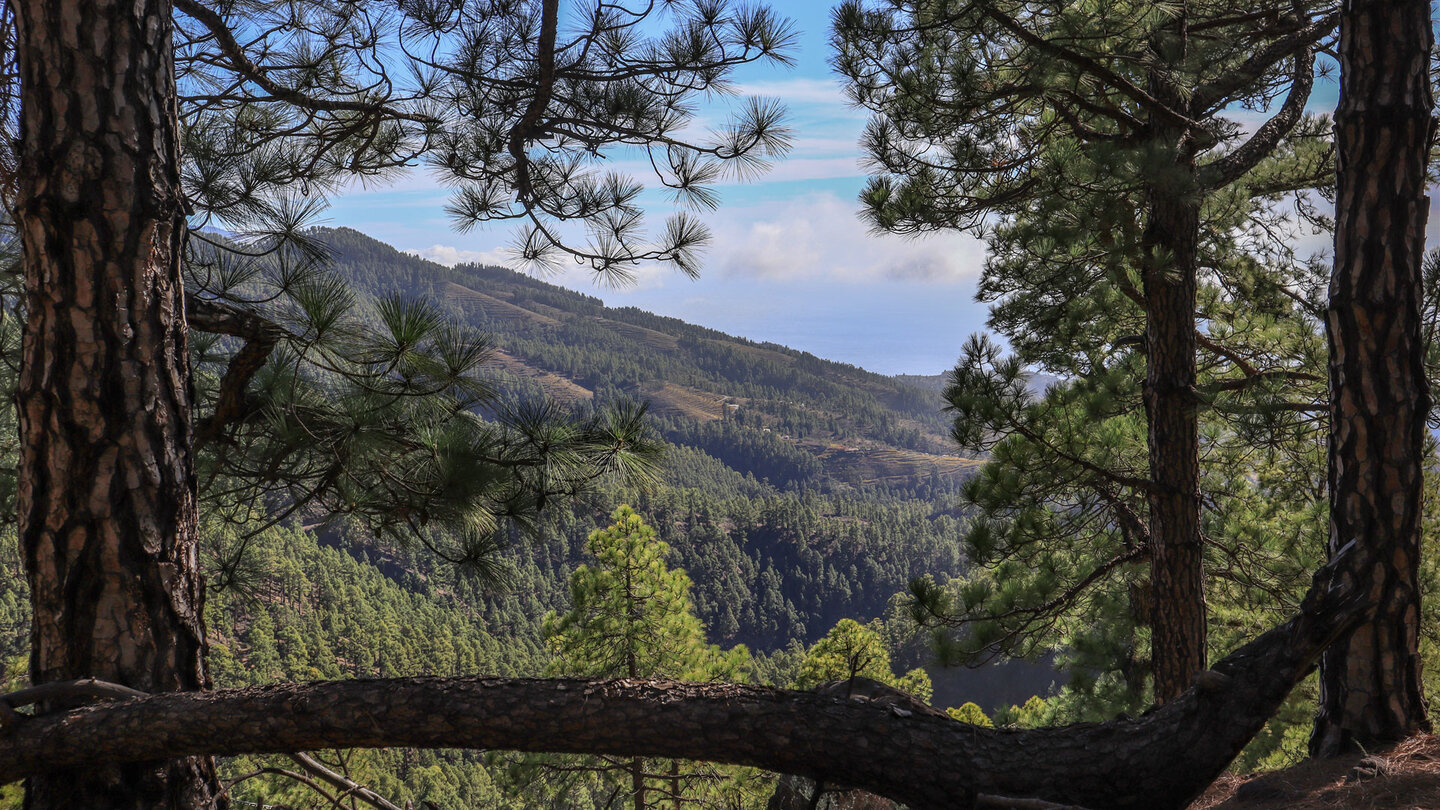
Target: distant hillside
[929, 382]
[1037, 383]
[810, 420]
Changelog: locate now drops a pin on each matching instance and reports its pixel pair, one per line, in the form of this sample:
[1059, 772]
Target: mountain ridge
[861, 427]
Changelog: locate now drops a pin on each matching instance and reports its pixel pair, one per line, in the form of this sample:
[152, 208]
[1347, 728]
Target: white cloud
[821, 236]
[809, 159]
[650, 275]
[801, 168]
[451, 256]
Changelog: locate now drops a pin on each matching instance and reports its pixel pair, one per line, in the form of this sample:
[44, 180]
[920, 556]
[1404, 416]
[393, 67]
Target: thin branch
[987, 801]
[1233, 166]
[343, 782]
[1120, 479]
[1092, 66]
[528, 125]
[1129, 555]
[62, 690]
[260, 335]
[1220, 91]
[1245, 366]
[1242, 383]
[241, 63]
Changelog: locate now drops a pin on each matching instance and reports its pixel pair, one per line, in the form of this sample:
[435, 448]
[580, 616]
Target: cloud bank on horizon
[813, 237]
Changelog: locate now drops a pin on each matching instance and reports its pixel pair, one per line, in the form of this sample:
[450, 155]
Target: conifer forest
[293, 517]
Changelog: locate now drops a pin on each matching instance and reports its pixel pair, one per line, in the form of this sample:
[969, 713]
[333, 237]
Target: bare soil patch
[1403, 777]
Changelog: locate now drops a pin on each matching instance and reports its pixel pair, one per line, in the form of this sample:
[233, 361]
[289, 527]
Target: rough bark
[920, 759]
[1370, 686]
[798, 793]
[107, 516]
[637, 783]
[1170, 242]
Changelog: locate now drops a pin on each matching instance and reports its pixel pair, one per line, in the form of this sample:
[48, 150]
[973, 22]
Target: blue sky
[790, 263]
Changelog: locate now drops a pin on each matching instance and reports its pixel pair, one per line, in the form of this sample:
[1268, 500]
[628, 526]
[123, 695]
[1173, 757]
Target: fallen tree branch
[987, 802]
[89, 688]
[1159, 760]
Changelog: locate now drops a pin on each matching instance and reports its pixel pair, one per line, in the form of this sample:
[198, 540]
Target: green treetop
[852, 650]
[631, 616]
[1128, 219]
[1141, 250]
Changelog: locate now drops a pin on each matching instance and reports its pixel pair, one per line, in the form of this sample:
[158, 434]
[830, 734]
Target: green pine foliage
[972, 714]
[1036, 712]
[14, 614]
[314, 612]
[783, 567]
[1041, 147]
[853, 650]
[631, 616]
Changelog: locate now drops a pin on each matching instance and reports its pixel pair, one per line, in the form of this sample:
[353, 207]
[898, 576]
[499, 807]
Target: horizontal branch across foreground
[1159, 760]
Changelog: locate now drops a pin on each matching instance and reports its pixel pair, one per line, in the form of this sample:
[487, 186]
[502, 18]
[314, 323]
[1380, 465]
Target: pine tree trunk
[107, 513]
[1170, 243]
[1370, 689]
[1177, 603]
[675, 784]
[637, 783]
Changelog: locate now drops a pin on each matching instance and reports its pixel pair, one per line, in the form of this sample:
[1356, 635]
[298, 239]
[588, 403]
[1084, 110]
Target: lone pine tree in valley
[108, 493]
[631, 617]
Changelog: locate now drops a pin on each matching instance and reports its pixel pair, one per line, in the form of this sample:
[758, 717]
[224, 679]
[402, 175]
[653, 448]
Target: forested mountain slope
[764, 409]
[796, 492]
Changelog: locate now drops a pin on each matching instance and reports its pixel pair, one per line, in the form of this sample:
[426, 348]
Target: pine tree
[972, 714]
[852, 650]
[631, 616]
[1385, 126]
[1096, 136]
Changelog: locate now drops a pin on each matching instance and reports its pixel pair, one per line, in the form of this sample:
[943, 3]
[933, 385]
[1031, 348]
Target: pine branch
[528, 125]
[1221, 91]
[242, 64]
[1257, 377]
[986, 801]
[1092, 66]
[61, 691]
[343, 782]
[1233, 166]
[1060, 600]
[1119, 479]
[260, 335]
